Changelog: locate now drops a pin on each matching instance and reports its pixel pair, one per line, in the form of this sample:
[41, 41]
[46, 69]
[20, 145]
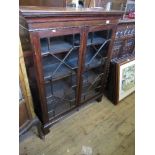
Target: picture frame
[113, 90]
[125, 79]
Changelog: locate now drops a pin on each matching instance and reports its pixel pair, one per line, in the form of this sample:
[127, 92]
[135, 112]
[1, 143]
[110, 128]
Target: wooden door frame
[85, 31]
[35, 41]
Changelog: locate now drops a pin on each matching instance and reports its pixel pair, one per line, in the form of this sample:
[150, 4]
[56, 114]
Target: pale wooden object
[24, 84]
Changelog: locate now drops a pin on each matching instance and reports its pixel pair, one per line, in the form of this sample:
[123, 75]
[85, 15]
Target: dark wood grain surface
[58, 11]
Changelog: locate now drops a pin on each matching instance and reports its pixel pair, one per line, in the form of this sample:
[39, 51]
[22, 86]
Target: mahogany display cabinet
[71, 51]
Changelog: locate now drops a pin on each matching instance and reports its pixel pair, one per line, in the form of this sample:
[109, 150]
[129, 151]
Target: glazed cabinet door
[95, 59]
[59, 59]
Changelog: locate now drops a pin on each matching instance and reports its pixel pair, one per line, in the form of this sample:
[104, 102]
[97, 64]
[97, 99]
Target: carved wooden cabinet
[71, 55]
[123, 49]
[124, 43]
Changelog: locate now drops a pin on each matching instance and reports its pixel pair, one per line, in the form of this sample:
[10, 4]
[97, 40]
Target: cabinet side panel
[110, 87]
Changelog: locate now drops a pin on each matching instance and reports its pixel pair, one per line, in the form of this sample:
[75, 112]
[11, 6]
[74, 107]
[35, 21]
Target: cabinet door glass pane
[95, 59]
[60, 64]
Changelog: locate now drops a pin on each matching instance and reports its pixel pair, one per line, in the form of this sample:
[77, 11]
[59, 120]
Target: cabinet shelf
[57, 106]
[54, 68]
[56, 45]
[92, 40]
[94, 63]
[92, 60]
[86, 91]
[61, 87]
[97, 40]
[87, 94]
[69, 97]
[62, 72]
[92, 79]
[91, 84]
[72, 59]
[73, 63]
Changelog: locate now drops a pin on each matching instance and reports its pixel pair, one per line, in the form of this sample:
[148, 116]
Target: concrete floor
[97, 129]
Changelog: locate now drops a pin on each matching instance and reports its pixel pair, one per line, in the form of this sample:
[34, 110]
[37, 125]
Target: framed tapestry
[126, 78]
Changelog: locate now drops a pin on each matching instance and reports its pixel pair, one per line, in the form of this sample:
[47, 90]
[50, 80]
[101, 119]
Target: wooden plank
[107, 129]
